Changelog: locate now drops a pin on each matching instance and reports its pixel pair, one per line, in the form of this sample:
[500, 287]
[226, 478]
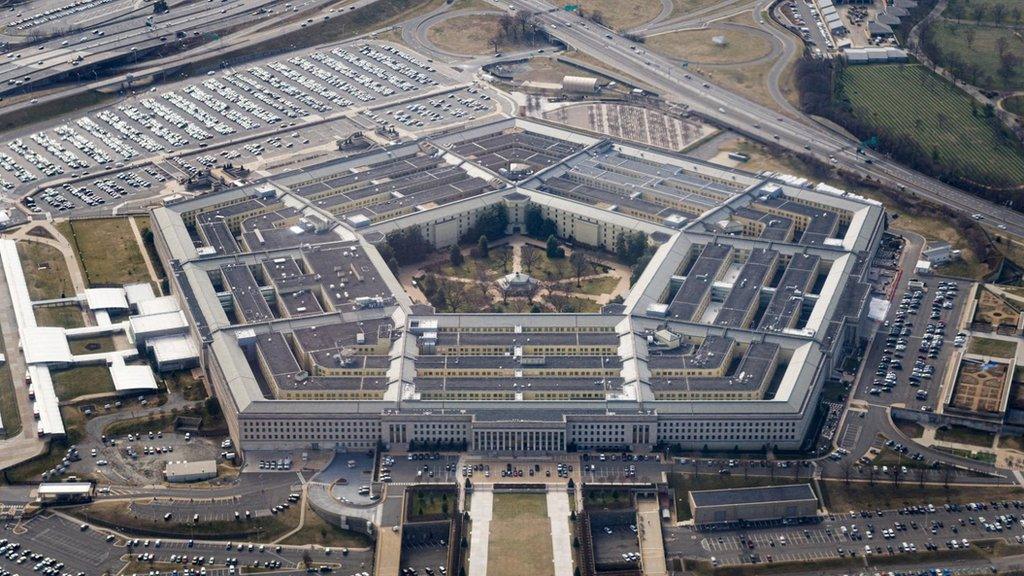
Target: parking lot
[74, 550]
[424, 546]
[63, 547]
[434, 112]
[240, 104]
[870, 533]
[908, 358]
[141, 460]
[614, 535]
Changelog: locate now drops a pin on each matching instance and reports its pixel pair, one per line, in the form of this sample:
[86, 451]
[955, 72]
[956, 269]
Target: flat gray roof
[758, 495]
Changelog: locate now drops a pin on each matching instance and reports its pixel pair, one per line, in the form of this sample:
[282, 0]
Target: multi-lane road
[140, 32]
[676, 84]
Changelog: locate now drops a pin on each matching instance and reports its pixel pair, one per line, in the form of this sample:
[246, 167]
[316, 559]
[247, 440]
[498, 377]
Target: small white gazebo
[517, 283]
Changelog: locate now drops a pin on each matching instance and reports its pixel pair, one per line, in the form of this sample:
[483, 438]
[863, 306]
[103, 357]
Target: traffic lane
[243, 486]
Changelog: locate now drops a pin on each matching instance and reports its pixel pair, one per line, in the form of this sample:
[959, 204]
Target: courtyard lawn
[552, 268]
[107, 251]
[471, 267]
[520, 536]
[991, 347]
[69, 384]
[595, 286]
[46, 272]
[62, 316]
[91, 345]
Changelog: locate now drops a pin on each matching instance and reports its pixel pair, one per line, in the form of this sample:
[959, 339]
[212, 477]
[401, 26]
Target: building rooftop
[759, 495]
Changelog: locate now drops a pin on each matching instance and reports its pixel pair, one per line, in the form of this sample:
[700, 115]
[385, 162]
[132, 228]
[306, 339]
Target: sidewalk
[480, 536]
[561, 534]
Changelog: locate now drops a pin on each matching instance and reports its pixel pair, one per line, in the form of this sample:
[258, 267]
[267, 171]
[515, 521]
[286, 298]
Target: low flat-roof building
[183, 471]
[64, 492]
[730, 505]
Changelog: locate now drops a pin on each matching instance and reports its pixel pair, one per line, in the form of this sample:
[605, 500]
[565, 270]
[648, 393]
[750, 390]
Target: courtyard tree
[530, 256]
[455, 256]
[491, 222]
[553, 249]
[579, 264]
[408, 245]
[537, 225]
[505, 257]
[458, 295]
[482, 249]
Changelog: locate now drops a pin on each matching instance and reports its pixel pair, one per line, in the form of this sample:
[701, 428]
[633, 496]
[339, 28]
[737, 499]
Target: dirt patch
[715, 45]
[470, 35]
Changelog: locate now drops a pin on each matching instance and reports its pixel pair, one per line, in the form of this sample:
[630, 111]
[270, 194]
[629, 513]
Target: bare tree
[530, 256]
[454, 294]
[505, 257]
[579, 264]
[947, 475]
[922, 473]
[846, 468]
[523, 18]
[871, 475]
[496, 42]
[505, 291]
[519, 305]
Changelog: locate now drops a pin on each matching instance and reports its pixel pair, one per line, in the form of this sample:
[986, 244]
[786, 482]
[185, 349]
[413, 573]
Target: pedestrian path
[652, 545]
[561, 541]
[480, 511]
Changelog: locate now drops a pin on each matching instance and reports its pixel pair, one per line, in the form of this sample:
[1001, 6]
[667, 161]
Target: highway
[121, 36]
[676, 84]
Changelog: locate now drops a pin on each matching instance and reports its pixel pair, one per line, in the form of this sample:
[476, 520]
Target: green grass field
[520, 536]
[930, 112]
[964, 435]
[472, 268]
[991, 347]
[107, 250]
[46, 272]
[8, 403]
[92, 345]
[1000, 11]
[63, 316]
[982, 51]
[80, 381]
[1014, 104]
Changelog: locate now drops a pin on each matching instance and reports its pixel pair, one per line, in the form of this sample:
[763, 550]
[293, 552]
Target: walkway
[145, 253]
[60, 243]
[561, 534]
[652, 545]
[480, 534]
